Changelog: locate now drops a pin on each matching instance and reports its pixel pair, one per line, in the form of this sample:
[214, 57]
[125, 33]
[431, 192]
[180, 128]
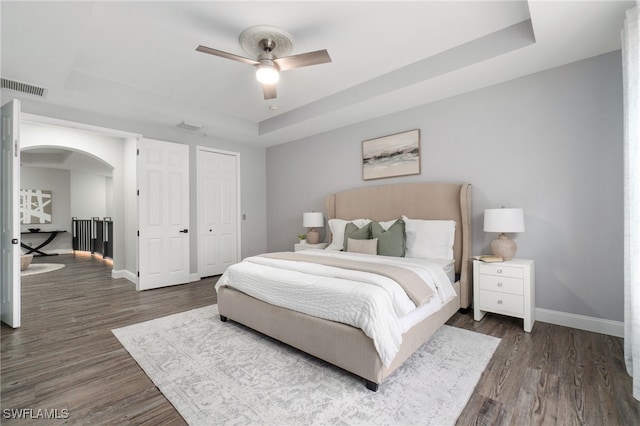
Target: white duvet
[368, 301]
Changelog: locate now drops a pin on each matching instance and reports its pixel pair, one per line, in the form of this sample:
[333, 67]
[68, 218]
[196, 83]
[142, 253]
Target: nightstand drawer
[495, 301]
[503, 271]
[502, 284]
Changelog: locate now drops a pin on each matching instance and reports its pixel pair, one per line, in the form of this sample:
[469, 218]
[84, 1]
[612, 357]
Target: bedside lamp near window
[503, 221]
[313, 220]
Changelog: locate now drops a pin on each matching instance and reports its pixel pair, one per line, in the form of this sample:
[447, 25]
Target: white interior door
[9, 209]
[218, 195]
[163, 214]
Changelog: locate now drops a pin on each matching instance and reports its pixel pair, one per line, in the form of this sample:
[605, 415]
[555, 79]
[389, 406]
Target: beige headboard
[451, 201]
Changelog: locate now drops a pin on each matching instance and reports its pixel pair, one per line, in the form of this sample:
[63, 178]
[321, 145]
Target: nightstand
[300, 247]
[506, 288]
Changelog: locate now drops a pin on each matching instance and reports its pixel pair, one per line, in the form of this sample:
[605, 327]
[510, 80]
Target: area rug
[41, 268]
[217, 373]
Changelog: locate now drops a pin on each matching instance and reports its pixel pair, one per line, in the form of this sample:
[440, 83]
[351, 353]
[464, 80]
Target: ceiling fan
[270, 45]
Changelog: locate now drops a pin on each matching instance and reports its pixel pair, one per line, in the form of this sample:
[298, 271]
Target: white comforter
[368, 301]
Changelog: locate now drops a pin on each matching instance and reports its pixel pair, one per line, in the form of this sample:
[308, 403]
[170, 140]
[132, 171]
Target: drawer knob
[499, 271]
[499, 302]
[499, 284]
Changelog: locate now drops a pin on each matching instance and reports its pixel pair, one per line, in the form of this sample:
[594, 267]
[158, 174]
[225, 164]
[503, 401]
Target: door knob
[184, 231]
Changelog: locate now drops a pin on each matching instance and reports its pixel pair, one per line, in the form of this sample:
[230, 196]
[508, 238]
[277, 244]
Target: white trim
[123, 273]
[581, 322]
[40, 119]
[238, 201]
[193, 277]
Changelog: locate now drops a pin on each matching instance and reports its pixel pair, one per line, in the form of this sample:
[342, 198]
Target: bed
[344, 345]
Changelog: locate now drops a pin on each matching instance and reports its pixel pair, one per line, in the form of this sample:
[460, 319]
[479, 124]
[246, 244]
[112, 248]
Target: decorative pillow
[430, 239]
[386, 225]
[362, 246]
[352, 231]
[337, 227]
[392, 241]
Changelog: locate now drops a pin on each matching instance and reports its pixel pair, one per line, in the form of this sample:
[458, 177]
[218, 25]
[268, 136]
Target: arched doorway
[80, 187]
[110, 148]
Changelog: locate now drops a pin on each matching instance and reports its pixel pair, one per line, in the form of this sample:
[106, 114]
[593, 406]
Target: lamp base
[313, 236]
[504, 247]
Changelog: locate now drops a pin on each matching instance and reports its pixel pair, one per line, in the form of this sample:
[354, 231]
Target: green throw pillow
[353, 232]
[391, 242]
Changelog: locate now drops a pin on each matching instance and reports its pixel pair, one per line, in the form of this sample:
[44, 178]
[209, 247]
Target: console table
[52, 235]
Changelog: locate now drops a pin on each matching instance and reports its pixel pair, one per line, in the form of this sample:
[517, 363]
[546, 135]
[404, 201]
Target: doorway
[80, 187]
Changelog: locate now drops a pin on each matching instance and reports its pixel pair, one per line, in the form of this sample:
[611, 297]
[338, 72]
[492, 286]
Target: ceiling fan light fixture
[267, 74]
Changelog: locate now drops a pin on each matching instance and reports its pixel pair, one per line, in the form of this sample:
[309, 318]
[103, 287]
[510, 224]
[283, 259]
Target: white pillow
[337, 227]
[430, 239]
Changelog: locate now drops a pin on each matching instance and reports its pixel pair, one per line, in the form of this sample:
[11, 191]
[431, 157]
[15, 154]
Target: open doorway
[97, 147]
[77, 189]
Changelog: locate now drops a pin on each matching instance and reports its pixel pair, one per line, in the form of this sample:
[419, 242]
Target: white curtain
[631, 77]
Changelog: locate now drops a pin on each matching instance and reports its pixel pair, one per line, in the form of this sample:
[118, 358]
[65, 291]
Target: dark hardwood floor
[65, 358]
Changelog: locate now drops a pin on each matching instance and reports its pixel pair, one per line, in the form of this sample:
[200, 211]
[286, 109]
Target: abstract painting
[35, 206]
[394, 155]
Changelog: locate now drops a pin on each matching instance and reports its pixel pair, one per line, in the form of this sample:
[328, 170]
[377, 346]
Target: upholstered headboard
[440, 201]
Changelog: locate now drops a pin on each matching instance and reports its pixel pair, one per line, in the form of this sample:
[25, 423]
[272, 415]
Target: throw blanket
[371, 302]
[411, 282]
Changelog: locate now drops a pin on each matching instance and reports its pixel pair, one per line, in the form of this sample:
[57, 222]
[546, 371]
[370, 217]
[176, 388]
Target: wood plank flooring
[64, 357]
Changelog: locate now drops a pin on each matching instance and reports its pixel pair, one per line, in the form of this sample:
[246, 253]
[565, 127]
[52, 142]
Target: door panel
[218, 222]
[163, 205]
[10, 215]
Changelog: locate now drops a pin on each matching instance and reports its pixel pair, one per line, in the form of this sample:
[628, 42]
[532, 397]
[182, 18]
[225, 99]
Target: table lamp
[503, 220]
[313, 220]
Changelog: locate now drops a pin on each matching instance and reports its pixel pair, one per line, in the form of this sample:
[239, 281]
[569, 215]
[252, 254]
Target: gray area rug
[217, 373]
[41, 268]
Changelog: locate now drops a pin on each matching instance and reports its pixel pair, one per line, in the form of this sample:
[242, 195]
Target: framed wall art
[35, 206]
[390, 156]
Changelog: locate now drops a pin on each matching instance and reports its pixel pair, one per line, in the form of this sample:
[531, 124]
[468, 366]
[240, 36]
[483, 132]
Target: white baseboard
[581, 322]
[123, 273]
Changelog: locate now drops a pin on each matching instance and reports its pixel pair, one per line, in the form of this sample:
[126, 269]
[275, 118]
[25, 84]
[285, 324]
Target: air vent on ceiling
[189, 125]
[26, 88]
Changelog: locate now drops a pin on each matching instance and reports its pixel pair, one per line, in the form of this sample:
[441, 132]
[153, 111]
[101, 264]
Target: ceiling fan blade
[216, 52]
[269, 91]
[303, 60]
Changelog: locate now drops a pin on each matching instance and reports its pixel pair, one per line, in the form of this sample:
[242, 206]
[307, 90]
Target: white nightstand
[506, 288]
[300, 247]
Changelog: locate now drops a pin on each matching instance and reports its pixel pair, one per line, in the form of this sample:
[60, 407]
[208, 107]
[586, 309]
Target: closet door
[163, 214]
[218, 210]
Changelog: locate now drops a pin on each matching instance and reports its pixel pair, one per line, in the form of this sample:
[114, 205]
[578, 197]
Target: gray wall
[550, 143]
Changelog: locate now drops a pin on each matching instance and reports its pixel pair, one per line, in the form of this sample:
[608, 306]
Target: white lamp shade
[313, 220]
[503, 220]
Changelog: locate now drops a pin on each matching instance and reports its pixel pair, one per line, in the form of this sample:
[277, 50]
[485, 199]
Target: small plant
[302, 237]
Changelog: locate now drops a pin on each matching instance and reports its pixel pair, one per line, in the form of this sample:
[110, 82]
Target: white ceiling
[137, 60]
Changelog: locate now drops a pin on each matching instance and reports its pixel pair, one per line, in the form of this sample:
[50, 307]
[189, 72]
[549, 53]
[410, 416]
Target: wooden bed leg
[223, 318]
[372, 386]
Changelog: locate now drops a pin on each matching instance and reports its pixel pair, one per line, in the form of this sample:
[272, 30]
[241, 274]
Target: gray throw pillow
[393, 241]
[352, 231]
